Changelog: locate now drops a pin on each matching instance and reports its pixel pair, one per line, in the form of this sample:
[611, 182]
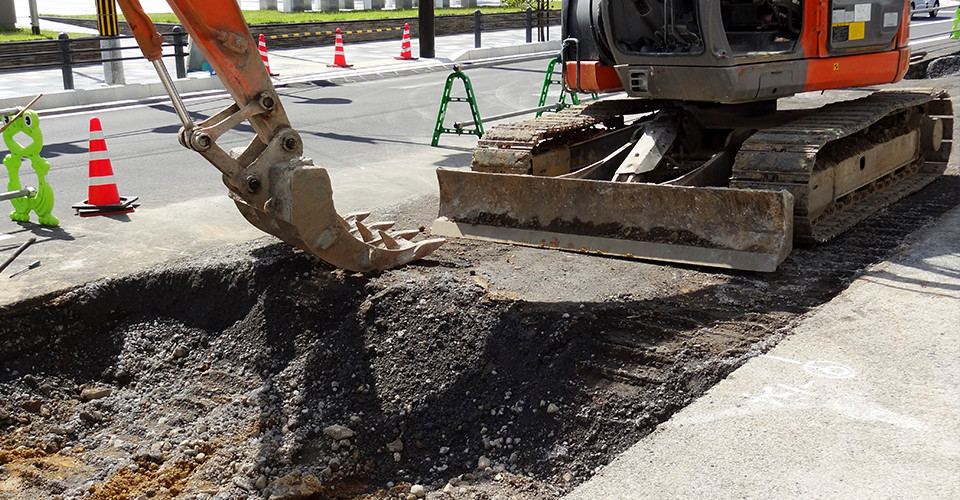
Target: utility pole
[109, 28]
[427, 34]
[34, 18]
[8, 15]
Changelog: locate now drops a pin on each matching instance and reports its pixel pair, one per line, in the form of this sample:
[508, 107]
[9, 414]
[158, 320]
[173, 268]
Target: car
[924, 4]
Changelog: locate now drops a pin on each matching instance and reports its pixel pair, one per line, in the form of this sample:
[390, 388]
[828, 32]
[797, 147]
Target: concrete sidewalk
[861, 401]
[369, 60]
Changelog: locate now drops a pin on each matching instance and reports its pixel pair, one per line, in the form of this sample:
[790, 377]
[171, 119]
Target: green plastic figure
[29, 124]
[956, 25]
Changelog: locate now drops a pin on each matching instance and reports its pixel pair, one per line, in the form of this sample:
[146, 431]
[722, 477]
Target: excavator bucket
[275, 187]
[719, 227]
[300, 211]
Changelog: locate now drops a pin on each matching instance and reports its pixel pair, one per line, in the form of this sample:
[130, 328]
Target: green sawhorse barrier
[548, 81]
[439, 128]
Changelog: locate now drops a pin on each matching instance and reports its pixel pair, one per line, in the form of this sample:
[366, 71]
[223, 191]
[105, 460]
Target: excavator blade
[299, 210]
[720, 227]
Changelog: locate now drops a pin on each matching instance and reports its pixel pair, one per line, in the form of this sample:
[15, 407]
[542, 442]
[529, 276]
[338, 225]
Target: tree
[541, 13]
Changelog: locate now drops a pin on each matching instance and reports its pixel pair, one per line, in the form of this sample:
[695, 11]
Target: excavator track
[831, 195]
[807, 175]
[511, 148]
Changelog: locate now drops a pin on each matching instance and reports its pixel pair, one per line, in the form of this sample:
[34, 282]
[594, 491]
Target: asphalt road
[924, 29]
[373, 137]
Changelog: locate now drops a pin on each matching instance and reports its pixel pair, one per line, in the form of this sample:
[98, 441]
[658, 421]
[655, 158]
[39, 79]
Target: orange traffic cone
[405, 53]
[103, 198]
[262, 46]
[339, 60]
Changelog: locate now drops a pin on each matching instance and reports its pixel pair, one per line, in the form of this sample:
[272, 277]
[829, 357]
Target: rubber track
[526, 136]
[783, 157]
[776, 158]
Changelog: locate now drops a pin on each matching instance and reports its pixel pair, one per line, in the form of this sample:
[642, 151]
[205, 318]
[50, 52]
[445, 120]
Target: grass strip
[26, 35]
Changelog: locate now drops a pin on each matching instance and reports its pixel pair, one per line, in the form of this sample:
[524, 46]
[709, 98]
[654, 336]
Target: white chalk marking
[778, 358]
[829, 369]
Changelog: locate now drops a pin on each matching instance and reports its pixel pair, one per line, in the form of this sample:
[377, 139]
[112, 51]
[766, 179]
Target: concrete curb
[513, 50]
[85, 98]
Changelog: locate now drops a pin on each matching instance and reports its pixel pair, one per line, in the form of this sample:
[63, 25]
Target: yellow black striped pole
[107, 23]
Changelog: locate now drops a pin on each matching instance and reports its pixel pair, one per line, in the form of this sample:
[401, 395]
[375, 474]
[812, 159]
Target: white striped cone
[102, 195]
[339, 60]
[262, 47]
[103, 189]
[405, 53]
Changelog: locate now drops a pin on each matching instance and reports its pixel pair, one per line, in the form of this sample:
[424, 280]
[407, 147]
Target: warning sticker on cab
[844, 32]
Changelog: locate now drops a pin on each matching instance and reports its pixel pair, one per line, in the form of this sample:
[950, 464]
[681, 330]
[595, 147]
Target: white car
[924, 4]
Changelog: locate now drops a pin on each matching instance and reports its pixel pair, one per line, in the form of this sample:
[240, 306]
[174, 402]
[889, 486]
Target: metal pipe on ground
[17, 253]
[551, 107]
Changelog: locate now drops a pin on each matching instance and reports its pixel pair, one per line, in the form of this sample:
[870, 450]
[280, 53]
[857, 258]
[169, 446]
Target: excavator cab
[729, 51]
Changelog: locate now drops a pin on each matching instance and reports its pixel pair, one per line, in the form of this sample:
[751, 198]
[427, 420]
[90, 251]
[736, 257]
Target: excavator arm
[275, 187]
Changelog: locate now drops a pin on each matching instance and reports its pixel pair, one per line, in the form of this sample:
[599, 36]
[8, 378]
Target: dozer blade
[300, 211]
[720, 227]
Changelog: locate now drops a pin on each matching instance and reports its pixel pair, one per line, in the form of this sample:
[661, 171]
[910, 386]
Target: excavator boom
[275, 187]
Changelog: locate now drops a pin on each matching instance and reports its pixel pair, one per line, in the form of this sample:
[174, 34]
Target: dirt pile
[486, 371]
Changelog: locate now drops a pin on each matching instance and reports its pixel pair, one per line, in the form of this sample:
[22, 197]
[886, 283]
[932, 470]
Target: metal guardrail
[541, 20]
[66, 51]
[935, 35]
[178, 40]
[916, 12]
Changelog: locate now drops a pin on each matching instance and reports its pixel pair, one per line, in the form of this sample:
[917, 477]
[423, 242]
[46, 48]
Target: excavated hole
[198, 379]
[227, 376]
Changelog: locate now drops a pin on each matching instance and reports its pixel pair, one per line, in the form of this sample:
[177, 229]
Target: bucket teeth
[301, 212]
[356, 216]
[377, 226]
[388, 241]
[365, 234]
[409, 234]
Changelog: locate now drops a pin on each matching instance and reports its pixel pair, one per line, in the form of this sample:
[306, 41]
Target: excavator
[274, 186]
[695, 165]
[703, 162]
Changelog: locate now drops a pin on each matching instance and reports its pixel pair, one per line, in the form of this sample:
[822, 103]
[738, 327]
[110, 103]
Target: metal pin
[32, 265]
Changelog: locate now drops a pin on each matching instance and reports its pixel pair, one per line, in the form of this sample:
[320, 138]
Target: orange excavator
[696, 164]
[699, 163]
[275, 187]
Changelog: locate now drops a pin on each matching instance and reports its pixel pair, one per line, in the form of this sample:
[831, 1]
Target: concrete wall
[297, 5]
